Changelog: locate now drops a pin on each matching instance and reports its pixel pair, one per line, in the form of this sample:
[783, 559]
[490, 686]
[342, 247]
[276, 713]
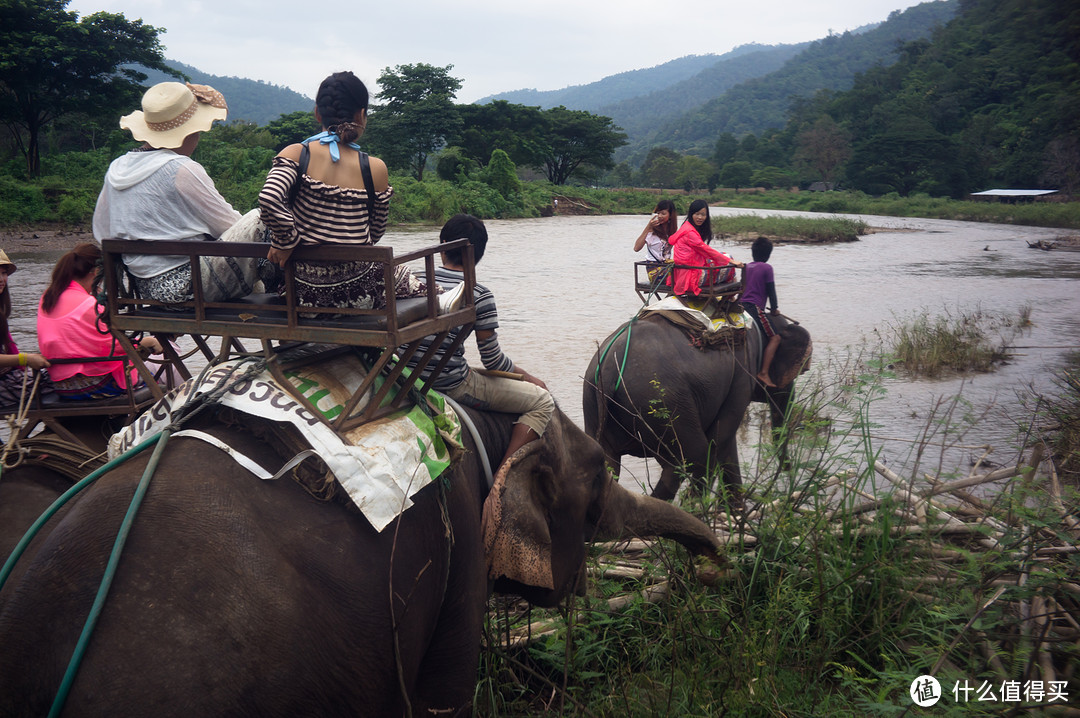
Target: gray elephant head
[552, 497]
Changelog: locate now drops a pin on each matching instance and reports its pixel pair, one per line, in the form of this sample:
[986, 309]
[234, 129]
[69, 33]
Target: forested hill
[827, 64]
[625, 85]
[640, 116]
[993, 100]
[249, 100]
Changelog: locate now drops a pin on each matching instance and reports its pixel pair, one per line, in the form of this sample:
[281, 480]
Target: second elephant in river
[651, 392]
[241, 597]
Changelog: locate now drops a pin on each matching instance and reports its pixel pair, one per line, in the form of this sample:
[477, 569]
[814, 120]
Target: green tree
[726, 147]
[824, 148]
[292, 128]
[736, 174]
[453, 164]
[660, 167]
[576, 139]
[770, 177]
[517, 129]
[53, 64]
[417, 116]
[622, 175]
[502, 174]
[693, 172]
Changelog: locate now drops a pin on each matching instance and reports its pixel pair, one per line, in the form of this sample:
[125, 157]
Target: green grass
[967, 341]
[810, 229]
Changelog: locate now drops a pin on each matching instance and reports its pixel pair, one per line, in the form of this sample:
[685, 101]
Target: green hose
[110, 572]
[193, 405]
[9, 565]
[607, 347]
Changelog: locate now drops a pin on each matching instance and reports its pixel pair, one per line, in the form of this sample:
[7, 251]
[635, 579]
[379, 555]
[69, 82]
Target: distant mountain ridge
[249, 100]
[621, 86]
[641, 116]
[831, 63]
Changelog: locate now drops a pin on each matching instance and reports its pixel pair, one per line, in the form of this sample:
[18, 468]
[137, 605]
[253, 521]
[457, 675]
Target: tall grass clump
[965, 341]
[809, 229]
[846, 579]
[1058, 421]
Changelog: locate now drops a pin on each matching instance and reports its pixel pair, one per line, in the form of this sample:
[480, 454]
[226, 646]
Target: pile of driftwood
[1071, 242]
[1034, 584]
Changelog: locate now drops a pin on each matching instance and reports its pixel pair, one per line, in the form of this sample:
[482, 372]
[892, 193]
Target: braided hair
[340, 97]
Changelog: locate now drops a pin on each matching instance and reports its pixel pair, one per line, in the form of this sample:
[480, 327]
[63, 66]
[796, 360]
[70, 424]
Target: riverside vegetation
[846, 581]
[239, 157]
[963, 341]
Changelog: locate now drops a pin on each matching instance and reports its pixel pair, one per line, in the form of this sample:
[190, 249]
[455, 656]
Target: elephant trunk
[624, 514]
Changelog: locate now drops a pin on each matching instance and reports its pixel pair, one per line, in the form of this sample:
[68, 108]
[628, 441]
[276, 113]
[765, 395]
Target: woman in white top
[661, 225]
[158, 192]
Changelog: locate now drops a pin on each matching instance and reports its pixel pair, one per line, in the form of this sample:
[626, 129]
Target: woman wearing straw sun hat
[157, 192]
[12, 361]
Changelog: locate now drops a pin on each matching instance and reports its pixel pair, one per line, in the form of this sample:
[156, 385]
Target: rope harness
[15, 421]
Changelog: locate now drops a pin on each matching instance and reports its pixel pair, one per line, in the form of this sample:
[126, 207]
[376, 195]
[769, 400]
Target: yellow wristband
[22, 359]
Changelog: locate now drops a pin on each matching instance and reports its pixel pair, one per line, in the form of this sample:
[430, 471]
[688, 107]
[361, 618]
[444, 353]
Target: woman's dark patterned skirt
[358, 285]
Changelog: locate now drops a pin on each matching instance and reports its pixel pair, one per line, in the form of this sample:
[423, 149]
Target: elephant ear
[793, 356]
[517, 540]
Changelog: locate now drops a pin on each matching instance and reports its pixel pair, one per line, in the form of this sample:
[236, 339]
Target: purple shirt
[758, 276]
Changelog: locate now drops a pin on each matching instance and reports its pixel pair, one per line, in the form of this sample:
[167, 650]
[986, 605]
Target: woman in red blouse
[691, 247]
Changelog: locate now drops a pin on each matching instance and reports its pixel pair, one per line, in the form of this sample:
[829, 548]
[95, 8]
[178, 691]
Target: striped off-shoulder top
[320, 213]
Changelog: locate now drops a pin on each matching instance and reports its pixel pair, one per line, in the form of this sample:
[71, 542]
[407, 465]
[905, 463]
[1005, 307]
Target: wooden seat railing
[648, 287]
[387, 338]
[60, 416]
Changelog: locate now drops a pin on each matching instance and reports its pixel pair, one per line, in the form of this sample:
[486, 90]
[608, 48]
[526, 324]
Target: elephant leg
[690, 453]
[446, 678]
[731, 473]
[668, 486]
[726, 446]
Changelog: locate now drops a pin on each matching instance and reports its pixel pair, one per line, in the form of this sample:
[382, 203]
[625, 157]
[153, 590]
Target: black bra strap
[305, 158]
[369, 184]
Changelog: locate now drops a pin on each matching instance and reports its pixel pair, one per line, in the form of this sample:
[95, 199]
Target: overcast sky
[494, 45]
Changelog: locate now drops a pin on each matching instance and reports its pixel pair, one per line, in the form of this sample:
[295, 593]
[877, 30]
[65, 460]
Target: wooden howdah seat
[80, 421]
[650, 289]
[267, 325]
[386, 338]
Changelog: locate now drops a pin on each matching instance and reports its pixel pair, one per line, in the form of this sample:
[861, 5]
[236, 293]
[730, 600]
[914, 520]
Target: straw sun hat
[6, 263]
[173, 110]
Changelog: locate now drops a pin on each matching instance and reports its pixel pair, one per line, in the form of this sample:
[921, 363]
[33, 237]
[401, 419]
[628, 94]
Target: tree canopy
[516, 129]
[417, 115]
[52, 64]
[577, 139]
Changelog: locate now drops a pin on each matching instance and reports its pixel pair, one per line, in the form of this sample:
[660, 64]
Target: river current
[564, 283]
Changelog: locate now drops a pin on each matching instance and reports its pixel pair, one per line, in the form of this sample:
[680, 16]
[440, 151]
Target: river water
[564, 283]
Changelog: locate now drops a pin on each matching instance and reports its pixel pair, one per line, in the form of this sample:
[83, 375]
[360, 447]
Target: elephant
[25, 493]
[242, 597]
[657, 394]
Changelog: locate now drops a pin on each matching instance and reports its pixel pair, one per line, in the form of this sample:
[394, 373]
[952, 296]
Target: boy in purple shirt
[759, 287]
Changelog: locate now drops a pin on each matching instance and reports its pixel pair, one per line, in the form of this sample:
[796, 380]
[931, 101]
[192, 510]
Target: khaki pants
[496, 393]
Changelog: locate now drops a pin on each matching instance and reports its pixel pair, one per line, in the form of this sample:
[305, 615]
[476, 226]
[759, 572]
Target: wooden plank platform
[657, 288]
[393, 333]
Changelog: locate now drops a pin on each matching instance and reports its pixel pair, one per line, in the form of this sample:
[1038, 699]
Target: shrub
[501, 175]
[21, 202]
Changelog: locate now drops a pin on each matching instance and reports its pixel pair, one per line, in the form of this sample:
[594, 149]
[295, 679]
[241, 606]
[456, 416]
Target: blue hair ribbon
[331, 139]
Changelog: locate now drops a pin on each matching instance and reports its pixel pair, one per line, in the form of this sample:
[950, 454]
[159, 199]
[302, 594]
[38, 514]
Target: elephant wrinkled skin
[241, 597]
[657, 395]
